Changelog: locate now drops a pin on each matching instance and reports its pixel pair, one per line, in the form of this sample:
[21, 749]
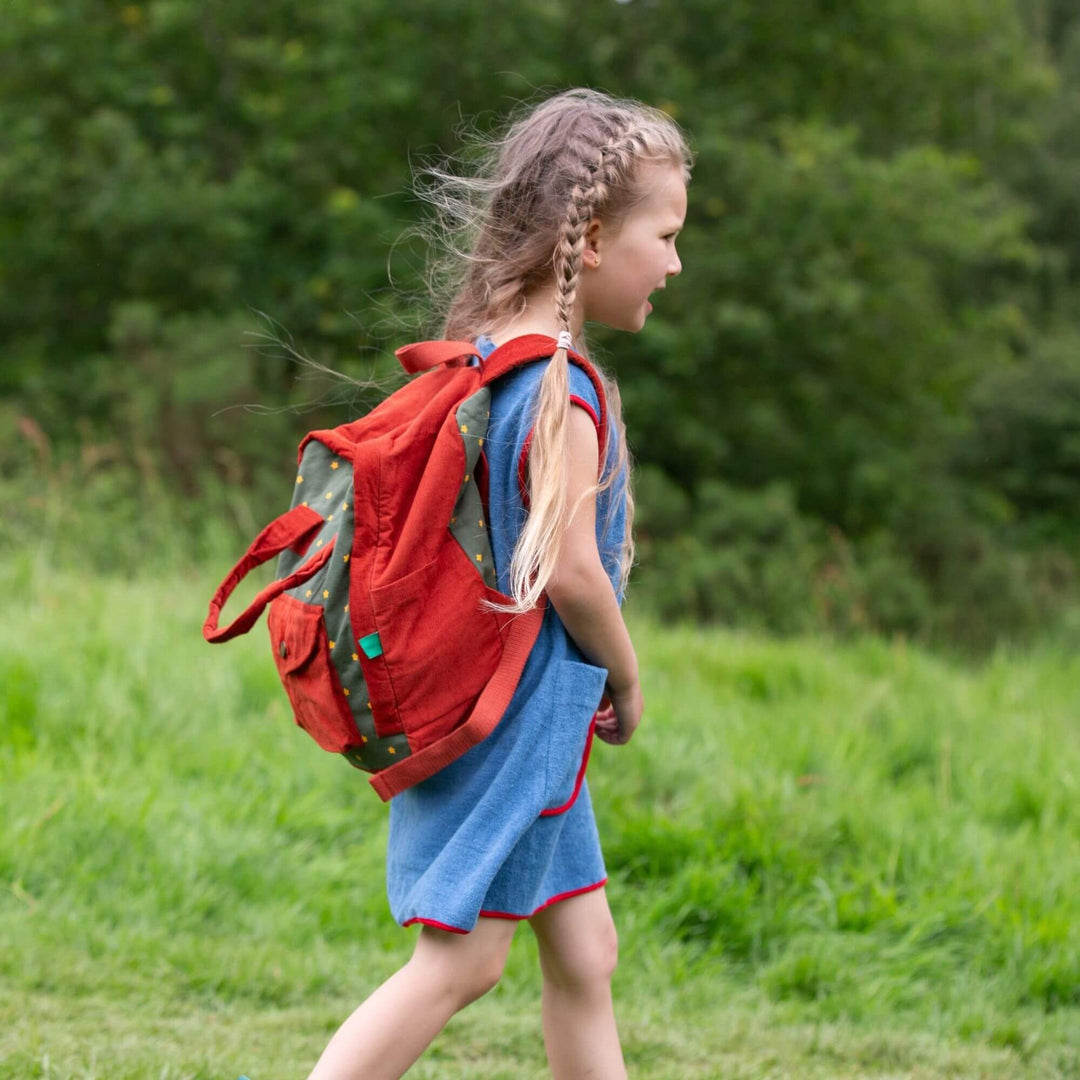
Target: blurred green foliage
[858, 409]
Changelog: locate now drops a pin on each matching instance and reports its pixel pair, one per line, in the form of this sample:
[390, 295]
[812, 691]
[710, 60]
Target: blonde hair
[516, 223]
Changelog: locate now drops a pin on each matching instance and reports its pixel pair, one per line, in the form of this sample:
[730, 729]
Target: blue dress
[508, 827]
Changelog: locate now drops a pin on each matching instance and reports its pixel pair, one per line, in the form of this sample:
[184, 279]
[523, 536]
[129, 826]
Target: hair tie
[565, 340]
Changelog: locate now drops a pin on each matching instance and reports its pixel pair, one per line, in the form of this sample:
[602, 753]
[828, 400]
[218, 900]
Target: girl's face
[621, 268]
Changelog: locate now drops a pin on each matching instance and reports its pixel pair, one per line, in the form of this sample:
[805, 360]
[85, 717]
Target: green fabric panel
[467, 524]
[330, 589]
[376, 754]
[324, 483]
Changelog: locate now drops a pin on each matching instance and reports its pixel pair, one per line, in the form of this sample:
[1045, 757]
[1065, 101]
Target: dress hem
[506, 914]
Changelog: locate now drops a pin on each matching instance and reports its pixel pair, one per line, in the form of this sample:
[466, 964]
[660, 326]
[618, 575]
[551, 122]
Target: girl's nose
[675, 266]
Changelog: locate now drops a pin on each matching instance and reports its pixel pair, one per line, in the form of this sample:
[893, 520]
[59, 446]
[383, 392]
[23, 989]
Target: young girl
[580, 206]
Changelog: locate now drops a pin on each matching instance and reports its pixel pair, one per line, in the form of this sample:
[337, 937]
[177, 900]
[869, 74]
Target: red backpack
[375, 617]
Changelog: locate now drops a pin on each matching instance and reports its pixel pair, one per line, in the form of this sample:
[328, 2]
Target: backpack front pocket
[302, 655]
[435, 666]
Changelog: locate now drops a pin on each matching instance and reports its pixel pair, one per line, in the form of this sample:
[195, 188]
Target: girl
[576, 220]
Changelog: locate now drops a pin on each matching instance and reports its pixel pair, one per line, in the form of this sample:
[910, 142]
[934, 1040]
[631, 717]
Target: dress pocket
[302, 655]
[577, 693]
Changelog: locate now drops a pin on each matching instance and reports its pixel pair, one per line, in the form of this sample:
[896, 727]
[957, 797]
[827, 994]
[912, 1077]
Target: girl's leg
[578, 953]
[390, 1030]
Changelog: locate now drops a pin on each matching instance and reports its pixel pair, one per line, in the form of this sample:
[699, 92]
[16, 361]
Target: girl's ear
[591, 254]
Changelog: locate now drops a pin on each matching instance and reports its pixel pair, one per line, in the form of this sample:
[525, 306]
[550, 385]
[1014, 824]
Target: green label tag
[371, 645]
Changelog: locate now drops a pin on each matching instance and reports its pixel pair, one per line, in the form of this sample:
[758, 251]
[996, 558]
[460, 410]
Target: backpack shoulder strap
[424, 355]
[529, 347]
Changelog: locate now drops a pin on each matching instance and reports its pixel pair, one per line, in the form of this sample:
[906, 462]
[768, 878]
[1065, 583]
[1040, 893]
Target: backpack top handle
[422, 355]
[294, 529]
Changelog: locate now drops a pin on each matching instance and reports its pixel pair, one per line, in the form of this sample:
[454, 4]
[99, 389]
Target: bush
[726, 555]
[751, 559]
[1024, 444]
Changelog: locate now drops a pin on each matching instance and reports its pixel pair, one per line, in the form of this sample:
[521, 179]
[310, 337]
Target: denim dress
[508, 828]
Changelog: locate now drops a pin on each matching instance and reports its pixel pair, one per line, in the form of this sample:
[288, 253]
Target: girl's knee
[466, 971]
[590, 963]
[606, 952]
[482, 977]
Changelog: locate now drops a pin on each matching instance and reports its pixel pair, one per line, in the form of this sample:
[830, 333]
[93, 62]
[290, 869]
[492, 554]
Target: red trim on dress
[588, 408]
[522, 487]
[436, 924]
[523, 459]
[580, 776]
[546, 904]
[507, 914]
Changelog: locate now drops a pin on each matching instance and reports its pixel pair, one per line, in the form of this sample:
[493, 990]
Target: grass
[825, 861]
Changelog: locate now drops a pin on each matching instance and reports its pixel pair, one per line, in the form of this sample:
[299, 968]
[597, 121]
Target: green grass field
[825, 861]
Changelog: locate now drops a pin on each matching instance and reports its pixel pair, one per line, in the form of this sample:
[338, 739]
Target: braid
[568, 249]
[599, 169]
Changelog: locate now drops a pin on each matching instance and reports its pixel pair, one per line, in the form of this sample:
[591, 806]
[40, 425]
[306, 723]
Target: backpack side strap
[295, 529]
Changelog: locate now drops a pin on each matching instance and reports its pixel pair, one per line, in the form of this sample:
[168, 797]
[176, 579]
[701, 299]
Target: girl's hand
[619, 714]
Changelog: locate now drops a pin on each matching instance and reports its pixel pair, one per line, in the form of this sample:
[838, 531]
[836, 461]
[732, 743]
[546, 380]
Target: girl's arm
[580, 589]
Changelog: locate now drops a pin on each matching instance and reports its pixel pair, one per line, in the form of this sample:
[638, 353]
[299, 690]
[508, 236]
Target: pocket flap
[294, 632]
